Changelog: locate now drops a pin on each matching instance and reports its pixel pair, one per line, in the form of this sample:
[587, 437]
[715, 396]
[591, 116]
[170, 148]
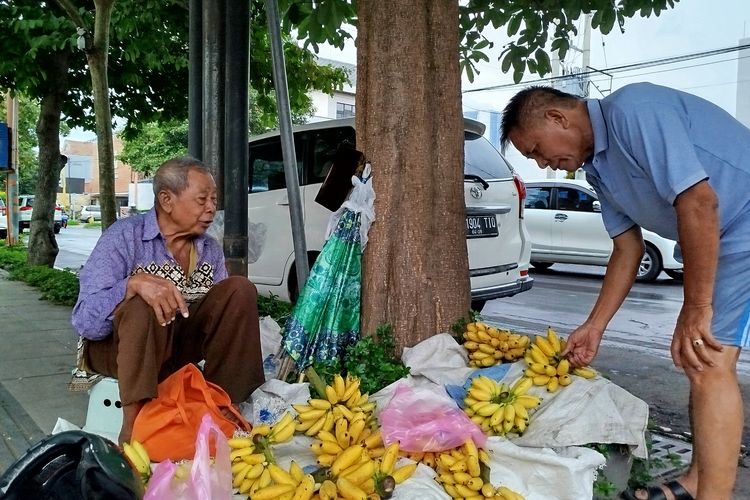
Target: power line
[617, 69]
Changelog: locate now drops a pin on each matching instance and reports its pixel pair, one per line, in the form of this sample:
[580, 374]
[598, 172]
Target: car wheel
[675, 274]
[3, 234]
[650, 266]
[541, 266]
[478, 305]
[293, 292]
[57, 228]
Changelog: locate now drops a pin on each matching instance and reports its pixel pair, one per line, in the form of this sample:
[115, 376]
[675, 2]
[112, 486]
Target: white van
[496, 237]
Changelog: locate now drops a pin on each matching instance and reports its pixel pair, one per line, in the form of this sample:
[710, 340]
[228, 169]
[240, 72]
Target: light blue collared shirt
[651, 143]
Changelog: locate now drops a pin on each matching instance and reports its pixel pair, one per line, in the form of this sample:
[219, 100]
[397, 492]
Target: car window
[325, 143]
[538, 197]
[26, 202]
[267, 165]
[482, 159]
[575, 200]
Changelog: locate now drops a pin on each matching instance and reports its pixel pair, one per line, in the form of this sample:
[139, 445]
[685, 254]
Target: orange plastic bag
[168, 424]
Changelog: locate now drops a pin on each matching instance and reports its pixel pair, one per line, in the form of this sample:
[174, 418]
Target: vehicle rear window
[482, 159]
[267, 165]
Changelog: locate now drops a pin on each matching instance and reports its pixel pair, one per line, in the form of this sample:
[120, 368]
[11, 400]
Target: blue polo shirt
[651, 143]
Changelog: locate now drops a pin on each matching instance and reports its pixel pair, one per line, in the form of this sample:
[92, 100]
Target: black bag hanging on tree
[337, 184]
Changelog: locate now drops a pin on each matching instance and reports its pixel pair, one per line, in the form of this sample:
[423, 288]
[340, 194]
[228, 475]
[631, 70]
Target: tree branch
[73, 14]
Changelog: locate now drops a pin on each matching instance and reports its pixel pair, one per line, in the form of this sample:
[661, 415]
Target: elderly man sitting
[155, 296]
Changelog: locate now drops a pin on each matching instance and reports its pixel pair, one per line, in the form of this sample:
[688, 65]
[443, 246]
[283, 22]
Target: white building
[340, 104]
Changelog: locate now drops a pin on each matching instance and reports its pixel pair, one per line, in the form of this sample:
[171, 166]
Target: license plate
[481, 226]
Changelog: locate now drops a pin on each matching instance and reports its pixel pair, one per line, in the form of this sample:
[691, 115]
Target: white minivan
[496, 237]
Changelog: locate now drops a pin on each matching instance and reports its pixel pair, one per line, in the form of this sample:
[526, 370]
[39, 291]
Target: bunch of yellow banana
[463, 473]
[286, 485]
[499, 408]
[249, 465]
[138, 457]
[488, 345]
[546, 364]
[343, 400]
[331, 444]
[428, 458]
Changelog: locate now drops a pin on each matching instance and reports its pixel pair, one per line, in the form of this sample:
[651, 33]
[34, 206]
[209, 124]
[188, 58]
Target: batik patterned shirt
[135, 245]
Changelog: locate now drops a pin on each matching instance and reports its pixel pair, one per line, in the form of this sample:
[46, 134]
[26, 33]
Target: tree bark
[42, 244]
[410, 127]
[97, 57]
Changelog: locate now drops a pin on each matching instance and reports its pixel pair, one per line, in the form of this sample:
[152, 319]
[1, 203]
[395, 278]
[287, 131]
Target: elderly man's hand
[161, 294]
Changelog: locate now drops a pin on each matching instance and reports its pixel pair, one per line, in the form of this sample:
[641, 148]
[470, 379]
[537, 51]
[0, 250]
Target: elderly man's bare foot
[129, 413]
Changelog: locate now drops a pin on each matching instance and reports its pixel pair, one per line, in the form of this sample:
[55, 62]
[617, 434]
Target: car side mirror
[596, 206]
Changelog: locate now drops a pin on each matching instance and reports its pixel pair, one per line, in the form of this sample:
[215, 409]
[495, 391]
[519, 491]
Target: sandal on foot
[657, 493]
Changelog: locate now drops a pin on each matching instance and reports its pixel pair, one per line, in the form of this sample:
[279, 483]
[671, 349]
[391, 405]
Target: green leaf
[514, 24]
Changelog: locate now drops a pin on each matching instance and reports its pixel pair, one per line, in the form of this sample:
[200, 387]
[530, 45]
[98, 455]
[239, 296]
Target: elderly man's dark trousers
[222, 329]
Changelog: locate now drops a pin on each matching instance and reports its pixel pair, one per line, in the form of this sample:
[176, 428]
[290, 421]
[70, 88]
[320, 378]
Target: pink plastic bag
[206, 481]
[424, 420]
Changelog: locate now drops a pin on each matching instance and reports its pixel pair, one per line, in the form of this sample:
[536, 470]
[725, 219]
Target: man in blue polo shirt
[679, 166]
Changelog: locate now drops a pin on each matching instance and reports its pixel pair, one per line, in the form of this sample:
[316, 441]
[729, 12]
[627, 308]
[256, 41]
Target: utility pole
[11, 184]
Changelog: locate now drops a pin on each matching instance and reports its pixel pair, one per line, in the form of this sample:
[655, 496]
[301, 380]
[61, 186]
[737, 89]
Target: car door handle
[561, 217]
[283, 203]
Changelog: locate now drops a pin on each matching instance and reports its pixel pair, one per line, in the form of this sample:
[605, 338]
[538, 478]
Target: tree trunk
[97, 58]
[42, 244]
[410, 127]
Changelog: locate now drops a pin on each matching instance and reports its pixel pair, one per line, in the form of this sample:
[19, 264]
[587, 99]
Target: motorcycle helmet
[72, 465]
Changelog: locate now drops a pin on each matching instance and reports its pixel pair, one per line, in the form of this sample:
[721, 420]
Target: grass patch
[59, 287]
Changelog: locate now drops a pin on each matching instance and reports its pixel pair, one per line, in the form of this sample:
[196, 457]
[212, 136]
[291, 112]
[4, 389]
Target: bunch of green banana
[488, 345]
[138, 457]
[546, 364]
[286, 485]
[499, 408]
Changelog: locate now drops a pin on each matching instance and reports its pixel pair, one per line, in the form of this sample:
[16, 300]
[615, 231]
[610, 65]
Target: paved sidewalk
[36, 359]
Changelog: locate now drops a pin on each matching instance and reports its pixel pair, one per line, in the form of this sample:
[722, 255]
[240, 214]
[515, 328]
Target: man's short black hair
[527, 102]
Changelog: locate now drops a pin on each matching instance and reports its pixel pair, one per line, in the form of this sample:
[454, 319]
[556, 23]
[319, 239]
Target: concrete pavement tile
[47, 398]
[14, 369]
[17, 429]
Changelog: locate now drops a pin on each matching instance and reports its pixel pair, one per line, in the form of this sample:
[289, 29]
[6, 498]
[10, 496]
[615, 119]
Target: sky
[693, 26]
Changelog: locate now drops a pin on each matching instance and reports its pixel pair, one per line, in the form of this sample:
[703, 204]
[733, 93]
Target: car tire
[3, 234]
[675, 274]
[541, 266]
[57, 228]
[293, 292]
[650, 266]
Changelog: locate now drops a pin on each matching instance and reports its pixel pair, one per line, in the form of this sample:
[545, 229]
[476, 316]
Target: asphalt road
[635, 351]
[75, 244]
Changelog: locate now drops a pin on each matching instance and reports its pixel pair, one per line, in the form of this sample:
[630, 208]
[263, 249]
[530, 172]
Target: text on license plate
[481, 226]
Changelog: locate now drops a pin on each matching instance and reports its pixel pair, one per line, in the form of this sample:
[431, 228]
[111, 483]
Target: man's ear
[557, 117]
[165, 200]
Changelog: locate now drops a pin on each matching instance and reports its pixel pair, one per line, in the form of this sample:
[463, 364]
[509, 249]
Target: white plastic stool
[104, 414]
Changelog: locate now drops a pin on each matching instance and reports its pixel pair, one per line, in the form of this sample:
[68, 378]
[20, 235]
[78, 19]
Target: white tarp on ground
[546, 462]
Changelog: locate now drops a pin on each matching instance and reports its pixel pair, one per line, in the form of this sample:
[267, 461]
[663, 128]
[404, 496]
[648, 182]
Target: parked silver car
[91, 211]
[565, 224]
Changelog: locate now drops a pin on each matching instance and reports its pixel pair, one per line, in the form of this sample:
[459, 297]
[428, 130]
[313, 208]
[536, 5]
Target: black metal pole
[213, 90]
[236, 145]
[195, 80]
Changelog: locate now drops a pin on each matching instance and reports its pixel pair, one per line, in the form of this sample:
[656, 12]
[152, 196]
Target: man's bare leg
[717, 425]
[129, 412]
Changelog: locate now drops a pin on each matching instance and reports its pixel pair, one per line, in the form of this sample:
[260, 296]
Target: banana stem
[316, 382]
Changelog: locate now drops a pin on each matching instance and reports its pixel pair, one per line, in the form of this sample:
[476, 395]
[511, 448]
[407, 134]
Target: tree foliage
[536, 28]
[154, 143]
